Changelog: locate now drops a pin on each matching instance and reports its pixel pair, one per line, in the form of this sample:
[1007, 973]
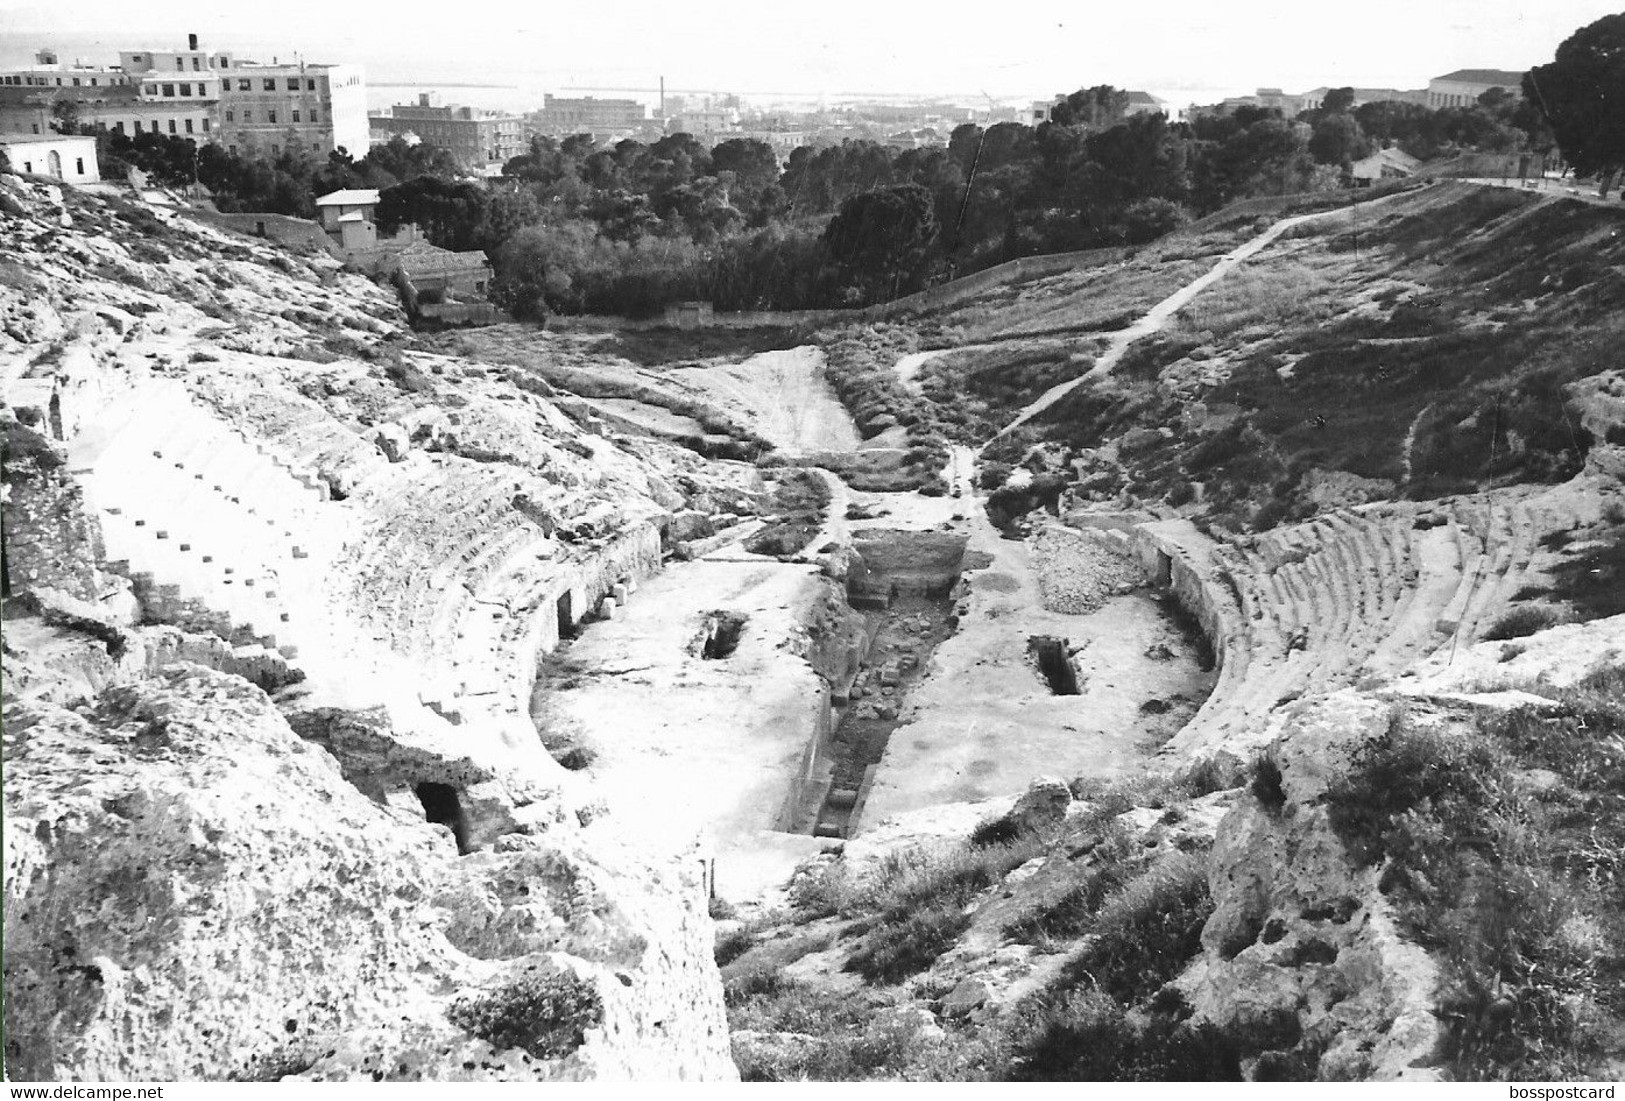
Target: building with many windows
[267, 110]
[709, 124]
[480, 141]
[47, 93]
[250, 108]
[563, 117]
[1463, 87]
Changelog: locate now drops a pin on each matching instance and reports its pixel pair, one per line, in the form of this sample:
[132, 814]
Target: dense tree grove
[287, 184]
[573, 227]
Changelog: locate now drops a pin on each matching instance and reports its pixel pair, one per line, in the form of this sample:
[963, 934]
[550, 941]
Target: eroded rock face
[1042, 806]
[195, 892]
[1299, 934]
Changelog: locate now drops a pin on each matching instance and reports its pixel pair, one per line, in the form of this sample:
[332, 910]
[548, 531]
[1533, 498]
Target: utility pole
[1356, 209]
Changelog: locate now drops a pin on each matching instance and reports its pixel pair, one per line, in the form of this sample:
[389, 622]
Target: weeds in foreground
[1085, 1036]
[899, 948]
[1518, 888]
[1110, 1017]
[1146, 932]
[904, 881]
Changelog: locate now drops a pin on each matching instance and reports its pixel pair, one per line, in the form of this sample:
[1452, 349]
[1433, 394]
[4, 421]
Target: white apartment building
[260, 109]
[272, 109]
[1463, 87]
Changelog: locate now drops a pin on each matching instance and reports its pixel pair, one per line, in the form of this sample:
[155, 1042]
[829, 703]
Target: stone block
[393, 441]
[970, 994]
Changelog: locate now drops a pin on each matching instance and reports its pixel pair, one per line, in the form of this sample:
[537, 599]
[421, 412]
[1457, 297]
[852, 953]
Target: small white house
[1384, 164]
[70, 158]
[348, 217]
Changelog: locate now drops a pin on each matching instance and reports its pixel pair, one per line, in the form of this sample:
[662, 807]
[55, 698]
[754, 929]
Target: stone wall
[634, 553]
[1169, 556]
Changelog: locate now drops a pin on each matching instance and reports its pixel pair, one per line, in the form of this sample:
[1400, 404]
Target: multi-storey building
[33, 99]
[480, 141]
[1463, 87]
[709, 124]
[272, 109]
[263, 109]
[563, 117]
[250, 108]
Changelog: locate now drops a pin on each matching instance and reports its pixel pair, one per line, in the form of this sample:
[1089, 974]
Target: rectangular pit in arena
[904, 583]
[1060, 663]
[890, 563]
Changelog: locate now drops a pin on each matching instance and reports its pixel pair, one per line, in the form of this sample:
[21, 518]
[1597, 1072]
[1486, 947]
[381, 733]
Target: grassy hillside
[1426, 348]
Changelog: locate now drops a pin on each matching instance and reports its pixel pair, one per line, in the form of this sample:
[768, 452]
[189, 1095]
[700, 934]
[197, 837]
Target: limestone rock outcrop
[1299, 933]
[229, 474]
[194, 891]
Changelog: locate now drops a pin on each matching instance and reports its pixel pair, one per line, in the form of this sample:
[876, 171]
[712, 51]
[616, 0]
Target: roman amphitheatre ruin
[362, 685]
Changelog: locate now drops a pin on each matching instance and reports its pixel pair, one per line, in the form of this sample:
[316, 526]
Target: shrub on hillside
[1525, 620]
[733, 944]
[1593, 580]
[546, 1015]
[1519, 893]
[907, 945]
[1086, 1037]
[1147, 932]
[1266, 783]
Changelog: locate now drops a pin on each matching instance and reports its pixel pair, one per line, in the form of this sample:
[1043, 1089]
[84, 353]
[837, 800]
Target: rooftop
[422, 258]
[1503, 77]
[365, 196]
[19, 138]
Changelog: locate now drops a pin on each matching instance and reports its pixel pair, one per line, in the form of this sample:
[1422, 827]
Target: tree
[1098, 108]
[1398, 122]
[65, 116]
[1582, 94]
[881, 235]
[1149, 219]
[1141, 159]
[404, 161]
[751, 170]
[450, 214]
[1338, 139]
[532, 269]
[1338, 99]
[1269, 157]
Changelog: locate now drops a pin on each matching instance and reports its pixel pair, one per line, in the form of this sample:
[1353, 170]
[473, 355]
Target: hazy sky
[1008, 48]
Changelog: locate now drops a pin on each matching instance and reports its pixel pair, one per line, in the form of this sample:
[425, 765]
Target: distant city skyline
[1183, 52]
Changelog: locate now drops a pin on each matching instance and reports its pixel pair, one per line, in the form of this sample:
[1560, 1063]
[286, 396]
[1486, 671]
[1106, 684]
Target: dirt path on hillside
[1410, 443]
[1157, 318]
[783, 397]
